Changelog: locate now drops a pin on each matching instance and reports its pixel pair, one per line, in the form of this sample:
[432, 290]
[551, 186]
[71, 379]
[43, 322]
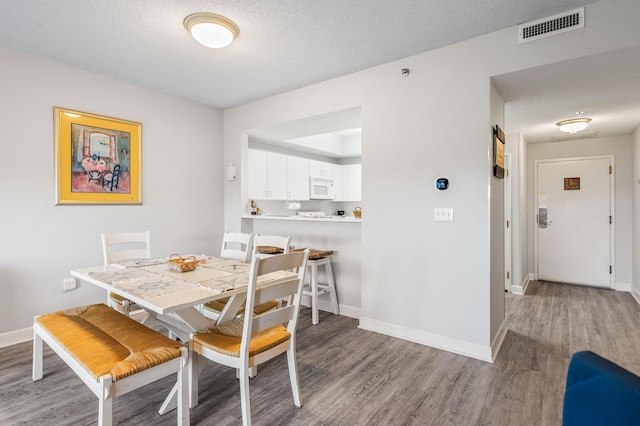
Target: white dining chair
[248, 341]
[237, 245]
[124, 246]
[264, 245]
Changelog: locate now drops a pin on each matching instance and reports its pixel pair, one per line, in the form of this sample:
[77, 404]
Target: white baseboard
[461, 347]
[16, 336]
[636, 294]
[325, 305]
[622, 287]
[349, 311]
[521, 289]
[498, 340]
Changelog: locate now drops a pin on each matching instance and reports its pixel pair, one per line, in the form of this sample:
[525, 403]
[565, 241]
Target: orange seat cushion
[227, 337]
[218, 305]
[105, 341]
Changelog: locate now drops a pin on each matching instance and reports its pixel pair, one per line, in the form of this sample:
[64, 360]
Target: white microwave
[321, 189]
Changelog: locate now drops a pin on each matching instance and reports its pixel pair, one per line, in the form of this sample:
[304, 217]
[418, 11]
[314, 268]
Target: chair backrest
[126, 246]
[237, 245]
[290, 284]
[278, 241]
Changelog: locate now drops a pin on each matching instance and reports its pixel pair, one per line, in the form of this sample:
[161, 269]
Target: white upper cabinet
[352, 182]
[257, 173]
[267, 175]
[297, 178]
[274, 176]
[320, 169]
[338, 185]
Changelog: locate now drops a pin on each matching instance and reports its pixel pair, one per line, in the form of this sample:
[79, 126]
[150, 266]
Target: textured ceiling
[287, 44]
[604, 86]
[283, 44]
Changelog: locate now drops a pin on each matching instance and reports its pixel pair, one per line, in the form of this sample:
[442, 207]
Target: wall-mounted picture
[97, 159]
[498, 152]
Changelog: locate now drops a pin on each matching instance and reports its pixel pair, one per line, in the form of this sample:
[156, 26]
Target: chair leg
[245, 397]
[332, 288]
[293, 375]
[313, 283]
[105, 403]
[37, 356]
[184, 415]
[253, 372]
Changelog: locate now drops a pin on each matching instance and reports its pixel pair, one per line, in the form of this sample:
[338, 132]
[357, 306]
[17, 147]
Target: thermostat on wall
[442, 184]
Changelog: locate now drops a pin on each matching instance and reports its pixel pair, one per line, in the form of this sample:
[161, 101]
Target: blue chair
[600, 392]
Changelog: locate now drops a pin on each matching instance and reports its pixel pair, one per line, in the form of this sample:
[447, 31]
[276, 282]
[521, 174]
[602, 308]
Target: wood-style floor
[350, 376]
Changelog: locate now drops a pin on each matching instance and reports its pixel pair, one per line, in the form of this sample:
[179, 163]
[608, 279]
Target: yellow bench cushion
[105, 341]
[226, 339]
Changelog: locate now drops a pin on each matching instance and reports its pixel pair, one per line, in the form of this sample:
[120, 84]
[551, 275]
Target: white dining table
[175, 298]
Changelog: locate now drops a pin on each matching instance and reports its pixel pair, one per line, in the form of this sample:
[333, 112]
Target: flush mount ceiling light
[574, 125]
[211, 30]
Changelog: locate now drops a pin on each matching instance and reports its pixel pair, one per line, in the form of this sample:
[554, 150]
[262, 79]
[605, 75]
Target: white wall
[41, 242]
[496, 228]
[422, 280]
[516, 147]
[635, 288]
[621, 148]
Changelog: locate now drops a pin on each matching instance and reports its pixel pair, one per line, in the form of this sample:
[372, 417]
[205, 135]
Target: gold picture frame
[97, 159]
[498, 152]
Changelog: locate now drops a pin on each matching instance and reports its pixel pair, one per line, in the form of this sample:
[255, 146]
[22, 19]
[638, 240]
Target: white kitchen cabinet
[297, 178]
[352, 182]
[267, 175]
[320, 169]
[338, 186]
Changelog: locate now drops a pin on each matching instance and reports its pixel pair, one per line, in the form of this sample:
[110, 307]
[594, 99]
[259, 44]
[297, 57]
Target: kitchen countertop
[338, 219]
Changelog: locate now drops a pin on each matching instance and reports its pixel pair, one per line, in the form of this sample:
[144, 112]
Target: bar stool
[314, 288]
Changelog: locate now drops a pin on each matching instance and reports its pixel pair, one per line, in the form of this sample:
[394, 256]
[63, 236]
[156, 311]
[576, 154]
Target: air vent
[551, 25]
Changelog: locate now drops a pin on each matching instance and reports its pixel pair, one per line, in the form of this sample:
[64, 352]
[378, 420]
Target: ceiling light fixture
[574, 125]
[211, 30]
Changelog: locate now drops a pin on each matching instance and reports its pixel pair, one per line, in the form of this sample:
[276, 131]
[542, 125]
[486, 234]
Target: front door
[573, 221]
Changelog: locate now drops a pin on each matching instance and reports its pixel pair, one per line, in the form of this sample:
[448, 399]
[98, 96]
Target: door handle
[542, 218]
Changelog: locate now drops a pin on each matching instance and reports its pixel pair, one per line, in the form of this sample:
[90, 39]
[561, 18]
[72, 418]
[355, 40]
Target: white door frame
[508, 224]
[612, 203]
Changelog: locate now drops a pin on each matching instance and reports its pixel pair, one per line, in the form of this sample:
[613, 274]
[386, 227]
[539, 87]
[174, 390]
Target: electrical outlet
[69, 284]
[443, 214]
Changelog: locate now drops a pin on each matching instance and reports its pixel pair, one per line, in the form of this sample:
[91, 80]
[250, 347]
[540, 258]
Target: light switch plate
[443, 214]
[231, 173]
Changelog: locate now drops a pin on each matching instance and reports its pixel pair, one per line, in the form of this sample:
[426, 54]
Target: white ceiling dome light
[211, 30]
[574, 125]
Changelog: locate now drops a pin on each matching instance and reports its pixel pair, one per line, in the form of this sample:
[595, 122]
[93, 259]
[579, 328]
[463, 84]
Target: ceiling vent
[551, 25]
[573, 136]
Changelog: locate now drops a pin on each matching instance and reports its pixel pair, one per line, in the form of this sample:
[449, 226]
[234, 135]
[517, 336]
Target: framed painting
[97, 159]
[498, 152]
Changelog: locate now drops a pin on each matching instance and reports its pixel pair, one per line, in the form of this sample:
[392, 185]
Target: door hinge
[507, 275]
[507, 224]
[610, 269]
[610, 169]
[610, 220]
[507, 171]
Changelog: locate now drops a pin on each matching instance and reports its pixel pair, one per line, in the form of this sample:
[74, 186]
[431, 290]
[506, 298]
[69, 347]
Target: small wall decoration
[498, 152]
[97, 159]
[572, 184]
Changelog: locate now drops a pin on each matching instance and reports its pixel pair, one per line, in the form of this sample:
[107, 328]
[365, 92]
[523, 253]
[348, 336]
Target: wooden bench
[112, 354]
